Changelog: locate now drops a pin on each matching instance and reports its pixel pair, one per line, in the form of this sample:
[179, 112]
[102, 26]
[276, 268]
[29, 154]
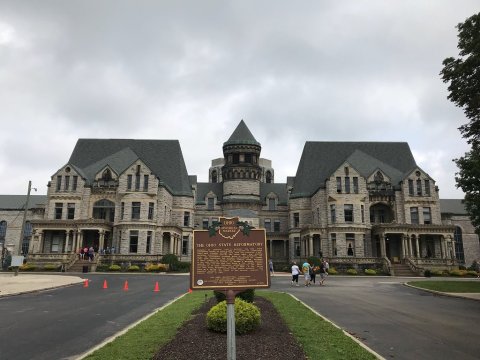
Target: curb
[453, 295]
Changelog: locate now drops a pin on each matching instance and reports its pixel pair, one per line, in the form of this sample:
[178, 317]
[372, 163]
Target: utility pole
[22, 232]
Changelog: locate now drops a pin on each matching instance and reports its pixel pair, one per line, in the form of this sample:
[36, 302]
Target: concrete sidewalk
[24, 283]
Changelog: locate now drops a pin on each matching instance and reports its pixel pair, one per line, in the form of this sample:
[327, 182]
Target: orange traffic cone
[190, 290]
[85, 283]
[105, 286]
[157, 288]
[125, 287]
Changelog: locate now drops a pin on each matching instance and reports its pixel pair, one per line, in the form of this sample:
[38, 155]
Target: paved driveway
[394, 320]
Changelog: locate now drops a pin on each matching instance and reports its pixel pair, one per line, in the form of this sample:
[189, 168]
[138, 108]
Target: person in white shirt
[295, 272]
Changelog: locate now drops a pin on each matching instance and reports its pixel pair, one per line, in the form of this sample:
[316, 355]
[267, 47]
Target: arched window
[457, 236]
[27, 235]
[268, 177]
[104, 209]
[214, 176]
[3, 231]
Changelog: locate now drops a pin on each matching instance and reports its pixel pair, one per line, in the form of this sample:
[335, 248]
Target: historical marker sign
[230, 255]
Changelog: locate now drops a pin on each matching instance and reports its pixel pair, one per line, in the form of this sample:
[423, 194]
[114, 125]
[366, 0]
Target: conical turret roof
[242, 135]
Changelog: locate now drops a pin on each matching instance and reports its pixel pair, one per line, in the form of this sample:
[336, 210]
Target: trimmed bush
[172, 261]
[133, 268]
[427, 273]
[352, 272]
[313, 260]
[102, 268]
[247, 317]
[332, 271]
[156, 267]
[472, 273]
[458, 272]
[114, 268]
[50, 267]
[370, 272]
[247, 295]
[27, 267]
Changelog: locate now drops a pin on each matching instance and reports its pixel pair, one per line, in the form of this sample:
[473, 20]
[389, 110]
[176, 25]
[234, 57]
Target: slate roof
[452, 206]
[279, 189]
[17, 202]
[163, 157]
[241, 135]
[320, 159]
[204, 188]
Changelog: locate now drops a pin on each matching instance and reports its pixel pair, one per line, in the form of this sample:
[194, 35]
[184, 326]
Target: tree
[463, 74]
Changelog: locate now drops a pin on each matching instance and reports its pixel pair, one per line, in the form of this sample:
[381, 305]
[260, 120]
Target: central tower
[241, 173]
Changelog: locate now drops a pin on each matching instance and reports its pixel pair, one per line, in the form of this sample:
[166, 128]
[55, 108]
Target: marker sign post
[229, 257]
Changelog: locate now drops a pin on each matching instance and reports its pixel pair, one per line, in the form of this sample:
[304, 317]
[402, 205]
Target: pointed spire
[241, 135]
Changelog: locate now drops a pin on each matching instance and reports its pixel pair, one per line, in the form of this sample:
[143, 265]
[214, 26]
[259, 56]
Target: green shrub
[27, 267]
[171, 260]
[133, 268]
[437, 273]
[247, 317]
[102, 268]
[370, 272]
[183, 266]
[313, 260]
[352, 272]
[50, 267]
[114, 268]
[427, 273]
[332, 271]
[472, 273]
[247, 295]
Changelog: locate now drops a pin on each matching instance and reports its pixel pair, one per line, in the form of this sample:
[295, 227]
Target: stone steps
[402, 270]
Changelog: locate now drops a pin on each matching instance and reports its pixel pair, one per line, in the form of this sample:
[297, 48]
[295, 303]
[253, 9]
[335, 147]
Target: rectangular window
[122, 211]
[59, 183]
[185, 245]
[145, 182]
[137, 182]
[149, 242]
[67, 182]
[186, 218]
[58, 211]
[414, 215]
[333, 214]
[362, 207]
[355, 185]
[348, 212]
[339, 184]
[333, 237]
[75, 183]
[410, 187]
[271, 204]
[276, 225]
[347, 184]
[70, 211]
[296, 242]
[151, 207]
[205, 224]
[427, 215]
[350, 238]
[296, 220]
[268, 225]
[211, 203]
[133, 248]
[419, 187]
[129, 182]
[136, 210]
[427, 187]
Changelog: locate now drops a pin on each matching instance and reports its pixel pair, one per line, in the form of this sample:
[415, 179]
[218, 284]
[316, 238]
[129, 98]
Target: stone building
[354, 202]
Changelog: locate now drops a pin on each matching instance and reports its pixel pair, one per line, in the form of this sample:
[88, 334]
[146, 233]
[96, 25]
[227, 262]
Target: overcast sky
[295, 71]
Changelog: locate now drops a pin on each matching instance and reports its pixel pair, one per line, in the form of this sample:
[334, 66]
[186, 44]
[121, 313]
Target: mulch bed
[271, 340]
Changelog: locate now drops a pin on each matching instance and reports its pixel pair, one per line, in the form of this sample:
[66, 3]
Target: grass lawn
[449, 286]
[319, 338]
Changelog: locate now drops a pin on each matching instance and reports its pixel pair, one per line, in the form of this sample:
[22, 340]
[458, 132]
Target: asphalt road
[66, 322]
[396, 321]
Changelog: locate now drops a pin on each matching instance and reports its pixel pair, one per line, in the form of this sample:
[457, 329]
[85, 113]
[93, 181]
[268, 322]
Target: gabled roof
[241, 135]
[17, 202]
[204, 188]
[279, 189]
[366, 165]
[163, 157]
[320, 159]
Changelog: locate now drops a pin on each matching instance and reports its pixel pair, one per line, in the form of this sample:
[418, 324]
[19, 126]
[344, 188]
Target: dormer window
[107, 175]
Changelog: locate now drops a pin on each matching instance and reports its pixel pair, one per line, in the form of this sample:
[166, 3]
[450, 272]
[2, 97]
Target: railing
[387, 265]
[107, 258]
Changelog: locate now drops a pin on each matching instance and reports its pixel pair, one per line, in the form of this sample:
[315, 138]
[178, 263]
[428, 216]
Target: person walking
[270, 265]
[323, 271]
[91, 253]
[295, 273]
[306, 272]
